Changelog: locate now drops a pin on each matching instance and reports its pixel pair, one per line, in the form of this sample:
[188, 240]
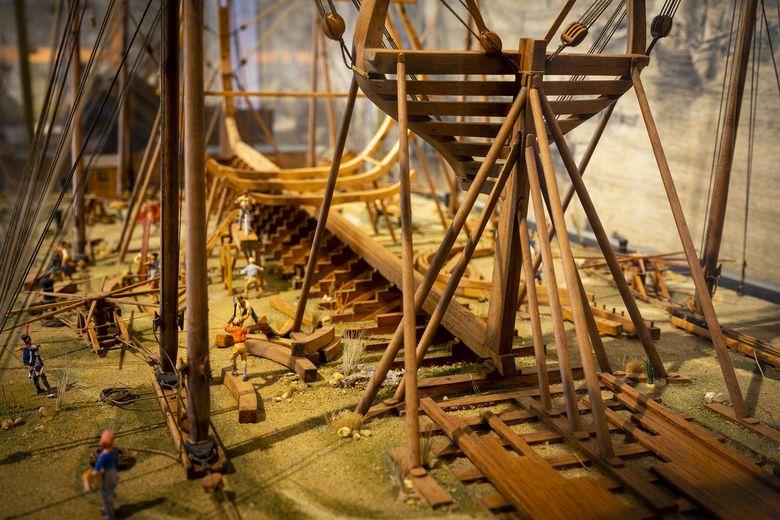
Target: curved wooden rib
[259, 174]
[296, 180]
[463, 132]
[315, 199]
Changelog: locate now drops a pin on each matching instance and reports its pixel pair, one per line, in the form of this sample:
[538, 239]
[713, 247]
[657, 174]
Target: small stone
[337, 376]
[719, 398]
[408, 484]
[356, 436]
[7, 424]
[277, 399]
[445, 398]
[365, 433]
[344, 431]
[286, 395]
[289, 399]
[48, 413]
[18, 421]
[708, 397]
[39, 428]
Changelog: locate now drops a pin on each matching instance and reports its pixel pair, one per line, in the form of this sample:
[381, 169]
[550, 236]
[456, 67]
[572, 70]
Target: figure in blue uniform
[31, 357]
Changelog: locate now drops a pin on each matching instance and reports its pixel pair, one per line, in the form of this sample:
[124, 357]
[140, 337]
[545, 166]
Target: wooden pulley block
[661, 26]
[490, 42]
[574, 33]
[333, 26]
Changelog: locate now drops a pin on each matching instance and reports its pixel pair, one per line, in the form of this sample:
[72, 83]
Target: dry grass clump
[346, 419]
[634, 366]
[352, 350]
[427, 454]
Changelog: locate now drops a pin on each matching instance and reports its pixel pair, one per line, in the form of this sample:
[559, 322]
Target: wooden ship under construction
[421, 332]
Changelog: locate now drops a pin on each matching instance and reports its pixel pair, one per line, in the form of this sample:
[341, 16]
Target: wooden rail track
[521, 461]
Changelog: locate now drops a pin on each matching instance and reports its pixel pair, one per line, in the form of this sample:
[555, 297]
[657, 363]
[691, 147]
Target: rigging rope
[26, 268]
[754, 88]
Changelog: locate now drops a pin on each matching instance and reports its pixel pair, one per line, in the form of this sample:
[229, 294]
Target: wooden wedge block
[224, 341]
[300, 365]
[330, 351]
[305, 344]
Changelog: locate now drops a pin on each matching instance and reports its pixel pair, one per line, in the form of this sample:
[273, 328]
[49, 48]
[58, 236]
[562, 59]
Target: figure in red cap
[106, 465]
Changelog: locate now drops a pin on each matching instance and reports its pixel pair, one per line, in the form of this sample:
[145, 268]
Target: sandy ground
[291, 464]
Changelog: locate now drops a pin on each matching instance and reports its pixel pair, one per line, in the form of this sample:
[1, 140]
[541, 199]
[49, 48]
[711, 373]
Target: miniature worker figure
[244, 202]
[31, 357]
[106, 465]
[153, 265]
[254, 277]
[239, 347]
[67, 263]
[127, 278]
[242, 310]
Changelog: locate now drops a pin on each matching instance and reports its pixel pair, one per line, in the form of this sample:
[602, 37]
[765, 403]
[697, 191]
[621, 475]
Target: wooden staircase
[461, 118]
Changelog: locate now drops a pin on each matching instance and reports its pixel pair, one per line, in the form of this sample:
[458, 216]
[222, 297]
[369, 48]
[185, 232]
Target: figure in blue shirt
[31, 357]
[106, 464]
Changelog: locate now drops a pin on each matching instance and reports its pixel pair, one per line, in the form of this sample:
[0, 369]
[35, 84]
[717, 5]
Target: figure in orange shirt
[239, 347]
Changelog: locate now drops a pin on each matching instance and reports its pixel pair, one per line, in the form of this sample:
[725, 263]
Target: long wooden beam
[702, 294]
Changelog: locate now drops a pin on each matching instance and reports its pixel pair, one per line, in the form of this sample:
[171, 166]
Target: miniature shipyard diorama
[329, 259]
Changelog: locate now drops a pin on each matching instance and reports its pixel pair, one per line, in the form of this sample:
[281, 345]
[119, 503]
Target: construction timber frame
[504, 146]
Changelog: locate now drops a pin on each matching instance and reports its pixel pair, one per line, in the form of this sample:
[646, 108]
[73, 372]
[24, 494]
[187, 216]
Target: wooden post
[603, 240]
[313, 100]
[502, 310]
[123, 147]
[559, 333]
[636, 15]
[559, 20]
[407, 273]
[463, 261]
[79, 225]
[697, 273]
[533, 310]
[135, 210]
[199, 406]
[386, 217]
[169, 188]
[327, 199]
[567, 198]
[24, 68]
[716, 214]
[458, 222]
[134, 195]
[570, 273]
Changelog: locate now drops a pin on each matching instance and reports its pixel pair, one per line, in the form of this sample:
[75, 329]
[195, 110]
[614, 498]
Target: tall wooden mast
[169, 187]
[79, 228]
[199, 406]
[123, 150]
[716, 214]
[24, 68]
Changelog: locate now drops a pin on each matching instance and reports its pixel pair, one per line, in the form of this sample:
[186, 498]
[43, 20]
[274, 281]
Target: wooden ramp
[527, 482]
